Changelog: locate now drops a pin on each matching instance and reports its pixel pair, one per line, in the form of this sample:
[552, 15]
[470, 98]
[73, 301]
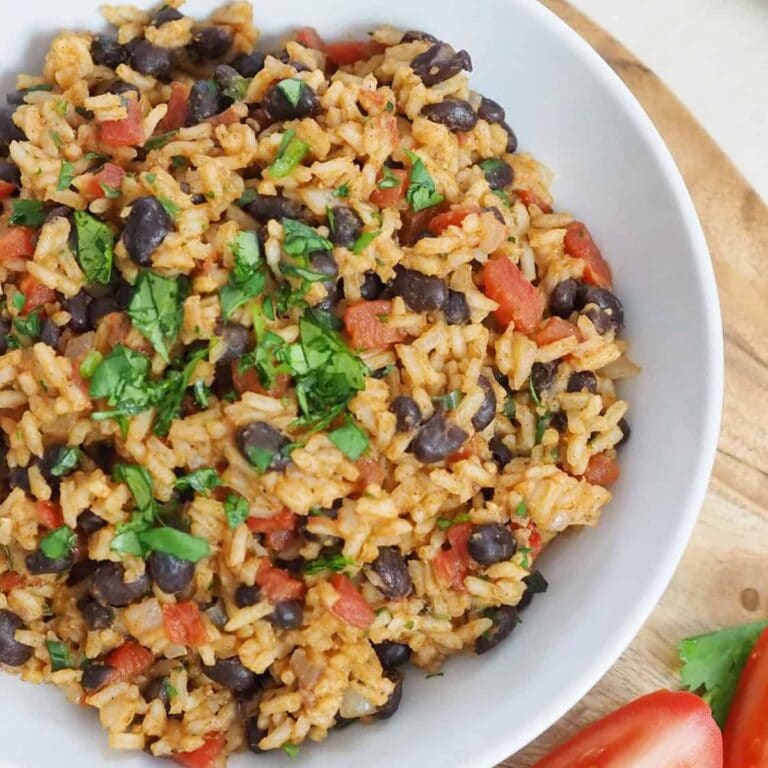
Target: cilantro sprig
[290, 153]
[421, 192]
[156, 309]
[95, 247]
[246, 280]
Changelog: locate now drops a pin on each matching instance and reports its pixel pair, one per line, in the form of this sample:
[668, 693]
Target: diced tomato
[366, 326]
[178, 108]
[309, 38]
[344, 53]
[387, 198]
[119, 325]
[554, 329]
[579, 244]
[601, 470]
[660, 730]
[518, 299]
[129, 660]
[126, 132]
[453, 218]
[278, 585]
[109, 177]
[9, 581]
[7, 188]
[351, 605]
[17, 242]
[284, 520]
[227, 117]
[202, 757]
[37, 294]
[49, 514]
[745, 738]
[183, 624]
[452, 565]
[370, 471]
[248, 381]
[529, 197]
[466, 451]
[535, 543]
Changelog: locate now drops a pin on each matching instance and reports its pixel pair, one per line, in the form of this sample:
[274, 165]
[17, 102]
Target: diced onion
[306, 673]
[354, 705]
[623, 368]
[143, 618]
[79, 346]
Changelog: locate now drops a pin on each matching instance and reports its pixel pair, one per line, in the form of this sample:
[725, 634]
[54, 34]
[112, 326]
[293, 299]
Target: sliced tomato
[391, 196]
[49, 514]
[202, 757]
[367, 328]
[309, 38]
[17, 242]
[453, 564]
[248, 381]
[227, 117]
[452, 218]
[178, 108]
[660, 730]
[518, 299]
[7, 188]
[183, 624]
[37, 294]
[126, 132]
[370, 471]
[110, 177]
[579, 244]
[11, 580]
[348, 52]
[554, 329]
[284, 520]
[130, 660]
[529, 197]
[278, 585]
[602, 470]
[351, 605]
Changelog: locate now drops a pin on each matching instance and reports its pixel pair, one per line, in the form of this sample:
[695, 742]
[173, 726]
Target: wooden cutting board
[723, 578]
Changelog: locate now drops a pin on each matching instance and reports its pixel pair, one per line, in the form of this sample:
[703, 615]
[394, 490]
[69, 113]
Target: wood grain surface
[723, 578]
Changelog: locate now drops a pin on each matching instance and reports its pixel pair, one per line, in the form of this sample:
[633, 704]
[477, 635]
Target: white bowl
[613, 172]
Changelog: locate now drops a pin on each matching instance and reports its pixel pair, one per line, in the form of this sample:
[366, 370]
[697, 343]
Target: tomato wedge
[601, 470]
[17, 242]
[129, 660]
[579, 244]
[518, 299]
[37, 294]
[278, 585]
[7, 188]
[126, 132]
[366, 326]
[553, 329]
[178, 108]
[745, 738]
[202, 757]
[49, 514]
[183, 624]
[390, 196]
[442, 221]
[660, 730]
[107, 181]
[351, 605]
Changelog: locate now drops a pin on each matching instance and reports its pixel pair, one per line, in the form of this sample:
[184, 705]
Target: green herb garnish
[341, 191]
[290, 749]
[59, 655]
[389, 180]
[292, 89]
[30, 325]
[246, 280]
[542, 422]
[158, 142]
[521, 510]
[364, 241]
[156, 309]
[237, 88]
[27, 213]
[59, 543]
[450, 401]
[290, 153]
[510, 407]
[335, 562]
[67, 459]
[350, 439]
[301, 240]
[236, 510]
[95, 247]
[444, 523]
[200, 480]
[422, 192]
[169, 206]
[66, 174]
[18, 301]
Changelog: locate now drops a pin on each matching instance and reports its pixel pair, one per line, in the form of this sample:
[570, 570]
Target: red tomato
[518, 299]
[49, 514]
[248, 381]
[126, 132]
[579, 244]
[349, 52]
[17, 242]
[370, 471]
[601, 470]
[227, 117]
[37, 294]
[453, 218]
[745, 738]
[129, 660]
[351, 605]
[183, 624]
[9, 581]
[365, 327]
[7, 188]
[178, 109]
[309, 38]
[277, 584]
[660, 730]
[109, 177]
[202, 757]
[452, 564]
[284, 520]
[529, 197]
[386, 198]
[554, 329]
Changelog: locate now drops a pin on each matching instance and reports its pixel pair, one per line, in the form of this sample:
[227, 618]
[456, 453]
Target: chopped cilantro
[122, 378]
[67, 459]
[30, 325]
[13, 341]
[421, 192]
[444, 523]
[201, 393]
[59, 655]
[291, 152]
[246, 280]
[248, 196]
[178, 161]
[491, 164]
[364, 241]
[335, 562]
[111, 193]
[503, 196]
[301, 240]
[450, 401]
[168, 689]
[236, 510]
[200, 480]
[542, 422]
[534, 394]
[290, 749]
[521, 510]
[155, 309]
[389, 107]
[18, 301]
[170, 207]
[95, 247]
[66, 174]
[177, 543]
[389, 180]
[510, 407]
[292, 89]
[237, 88]
[158, 142]
[525, 560]
[39, 87]
[55, 138]
[170, 393]
[341, 191]
[139, 483]
[27, 213]
[350, 439]
[58, 544]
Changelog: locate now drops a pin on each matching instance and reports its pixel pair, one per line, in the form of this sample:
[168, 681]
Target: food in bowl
[300, 373]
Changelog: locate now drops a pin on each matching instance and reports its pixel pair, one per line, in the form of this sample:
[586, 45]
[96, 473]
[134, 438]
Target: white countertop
[714, 55]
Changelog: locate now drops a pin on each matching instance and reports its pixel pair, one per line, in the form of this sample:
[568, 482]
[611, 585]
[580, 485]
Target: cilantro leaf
[139, 482]
[301, 240]
[450, 401]
[364, 241]
[67, 459]
[29, 325]
[350, 439]
[335, 562]
[248, 196]
[27, 213]
[290, 749]
[291, 152]
[156, 309]
[542, 422]
[200, 480]
[90, 363]
[122, 378]
[422, 192]
[158, 142]
[170, 393]
[521, 510]
[510, 407]
[246, 279]
[59, 655]
[342, 190]
[237, 87]
[388, 180]
[66, 174]
[236, 510]
[95, 247]
[292, 89]
[59, 543]
[19, 300]
[177, 543]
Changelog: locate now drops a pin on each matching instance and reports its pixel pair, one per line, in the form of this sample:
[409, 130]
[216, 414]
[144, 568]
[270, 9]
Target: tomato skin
[183, 624]
[554, 329]
[745, 738]
[202, 757]
[278, 585]
[579, 244]
[366, 330]
[11, 580]
[453, 218]
[17, 242]
[49, 514]
[452, 565]
[388, 198]
[518, 299]
[351, 605]
[126, 132]
[37, 294]
[344, 53]
[129, 660]
[178, 108]
[110, 175]
[602, 470]
[284, 520]
[309, 38]
[529, 197]
[664, 729]
[248, 381]
[7, 188]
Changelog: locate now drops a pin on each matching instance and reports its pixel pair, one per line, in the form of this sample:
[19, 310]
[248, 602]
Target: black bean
[372, 286]
[323, 263]
[288, 614]
[456, 309]
[254, 734]
[345, 226]
[222, 381]
[501, 454]
[210, 43]
[9, 172]
[49, 333]
[18, 477]
[266, 207]
[80, 571]
[51, 456]
[487, 410]
[455, 114]
[297, 65]
[12, 652]
[504, 619]
[439, 63]
[166, 14]
[415, 34]
[205, 100]
[157, 688]
[150, 59]
[279, 107]
[391, 654]
[60, 211]
[77, 306]
[102, 454]
[96, 676]
[217, 613]
[562, 300]
[491, 543]
[511, 138]
[5, 329]
[106, 51]
[625, 432]
[230, 673]
[123, 295]
[225, 75]
[392, 571]
[543, 375]
[147, 225]
[246, 595]
[118, 87]
[581, 380]
[535, 584]
[95, 615]
[491, 111]
[393, 702]
[559, 421]
[498, 173]
[601, 307]
[107, 586]
[89, 522]
[249, 64]
[236, 337]
[8, 130]
[100, 308]
[260, 436]
[172, 574]
[407, 412]
[420, 292]
[39, 563]
[437, 439]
